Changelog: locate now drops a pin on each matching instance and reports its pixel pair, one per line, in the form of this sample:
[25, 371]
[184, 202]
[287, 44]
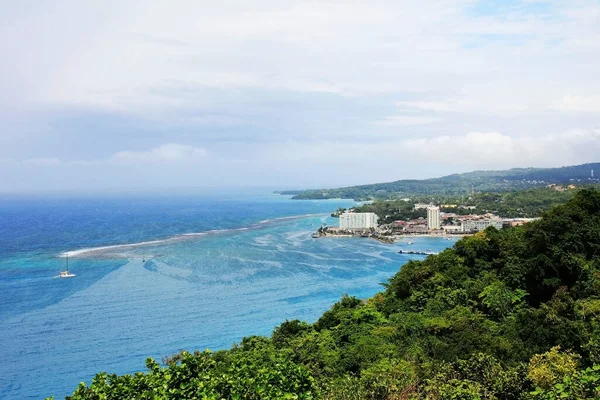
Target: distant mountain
[490, 181]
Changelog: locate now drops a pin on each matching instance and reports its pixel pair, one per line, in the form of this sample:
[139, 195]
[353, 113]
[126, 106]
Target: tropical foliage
[512, 204]
[512, 314]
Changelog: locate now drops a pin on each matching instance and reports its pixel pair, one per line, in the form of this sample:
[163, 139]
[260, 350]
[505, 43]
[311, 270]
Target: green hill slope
[489, 181]
[512, 314]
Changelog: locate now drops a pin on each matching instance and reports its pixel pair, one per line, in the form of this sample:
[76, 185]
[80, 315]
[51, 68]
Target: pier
[421, 253]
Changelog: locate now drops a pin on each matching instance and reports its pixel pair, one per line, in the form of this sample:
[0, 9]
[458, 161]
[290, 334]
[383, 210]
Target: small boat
[315, 235]
[410, 242]
[66, 273]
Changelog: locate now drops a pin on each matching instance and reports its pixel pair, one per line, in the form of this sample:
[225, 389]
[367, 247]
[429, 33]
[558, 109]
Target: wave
[88, 251]
[75, 253]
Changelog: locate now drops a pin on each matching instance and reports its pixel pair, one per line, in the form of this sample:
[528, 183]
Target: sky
[158, 95]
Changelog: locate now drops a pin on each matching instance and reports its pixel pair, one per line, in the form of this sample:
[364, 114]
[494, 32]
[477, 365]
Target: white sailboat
[66, 273]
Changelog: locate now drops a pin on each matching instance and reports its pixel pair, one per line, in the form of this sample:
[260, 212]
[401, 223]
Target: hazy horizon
[148, 96]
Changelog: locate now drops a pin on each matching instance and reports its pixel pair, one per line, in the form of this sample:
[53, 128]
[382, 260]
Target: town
[436, 223]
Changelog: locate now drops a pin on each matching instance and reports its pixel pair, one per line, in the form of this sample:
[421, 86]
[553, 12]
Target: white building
[358, 220]
[433, 218]
[452, 228]
[476, 225]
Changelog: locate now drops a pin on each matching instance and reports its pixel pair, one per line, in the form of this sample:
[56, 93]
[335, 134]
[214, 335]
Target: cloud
[478, 148]
[448, 105]
[333, 91]
[170, 153]
[475, 149]
[346, 48]
[293, 163]
[43, 162]
[580, 104]
[493, 149]
[166, 153]
[403, 120]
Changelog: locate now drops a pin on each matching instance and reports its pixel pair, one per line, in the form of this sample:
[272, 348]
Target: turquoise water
[181, 272]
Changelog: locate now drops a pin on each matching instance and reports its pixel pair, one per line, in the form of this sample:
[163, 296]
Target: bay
[163, 274]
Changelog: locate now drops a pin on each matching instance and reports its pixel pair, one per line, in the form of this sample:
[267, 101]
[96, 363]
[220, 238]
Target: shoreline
[435, 235]
[395, 238]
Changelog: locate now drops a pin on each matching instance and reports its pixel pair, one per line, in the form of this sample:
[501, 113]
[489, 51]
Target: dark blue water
[164, 273]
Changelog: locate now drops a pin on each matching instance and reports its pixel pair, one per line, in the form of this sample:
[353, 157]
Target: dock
[421, 253]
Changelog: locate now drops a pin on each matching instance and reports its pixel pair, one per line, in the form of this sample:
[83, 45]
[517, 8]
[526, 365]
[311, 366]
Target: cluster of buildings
[436, 222]
[562, 188]
[454, 223]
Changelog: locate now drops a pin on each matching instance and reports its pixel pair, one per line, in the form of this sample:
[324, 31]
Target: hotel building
[358, 220]
[433, 218]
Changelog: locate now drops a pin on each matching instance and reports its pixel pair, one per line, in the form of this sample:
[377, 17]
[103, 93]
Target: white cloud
[43, 162]
[170, 153]
[166, 153]
[474, 149]
[403, 120]
[332, 47]
[308, 164]
[448, 105]
[358, 87]
[478, 148]
[580, 104]
[493, 149]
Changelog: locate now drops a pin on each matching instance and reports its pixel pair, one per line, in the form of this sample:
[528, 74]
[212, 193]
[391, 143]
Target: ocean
[156, 274]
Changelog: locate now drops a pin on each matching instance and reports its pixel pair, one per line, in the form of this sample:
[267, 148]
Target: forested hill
[488, 181]
[511, 314]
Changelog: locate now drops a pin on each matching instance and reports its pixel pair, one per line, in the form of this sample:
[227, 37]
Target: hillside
[483, 181]
[511, 314]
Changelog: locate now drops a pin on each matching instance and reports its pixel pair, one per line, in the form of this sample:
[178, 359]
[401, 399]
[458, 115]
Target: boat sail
[66, 273]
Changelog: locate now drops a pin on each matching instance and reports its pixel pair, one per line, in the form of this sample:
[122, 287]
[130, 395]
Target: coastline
[394, 238]
[436, 235]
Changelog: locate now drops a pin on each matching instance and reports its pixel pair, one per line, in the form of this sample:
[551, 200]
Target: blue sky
[147, 95]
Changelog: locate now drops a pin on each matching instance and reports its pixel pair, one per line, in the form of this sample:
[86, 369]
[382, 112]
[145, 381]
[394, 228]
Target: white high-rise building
[433, 218]
[358, 220]
[480, 224]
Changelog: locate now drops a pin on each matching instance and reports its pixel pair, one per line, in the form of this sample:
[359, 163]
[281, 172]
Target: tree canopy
[511, 204]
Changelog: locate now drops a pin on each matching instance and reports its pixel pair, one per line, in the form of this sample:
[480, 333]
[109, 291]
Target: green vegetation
[338, 212]
[392, 210]
[511, 314]
[458, 184]
[522, 203]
